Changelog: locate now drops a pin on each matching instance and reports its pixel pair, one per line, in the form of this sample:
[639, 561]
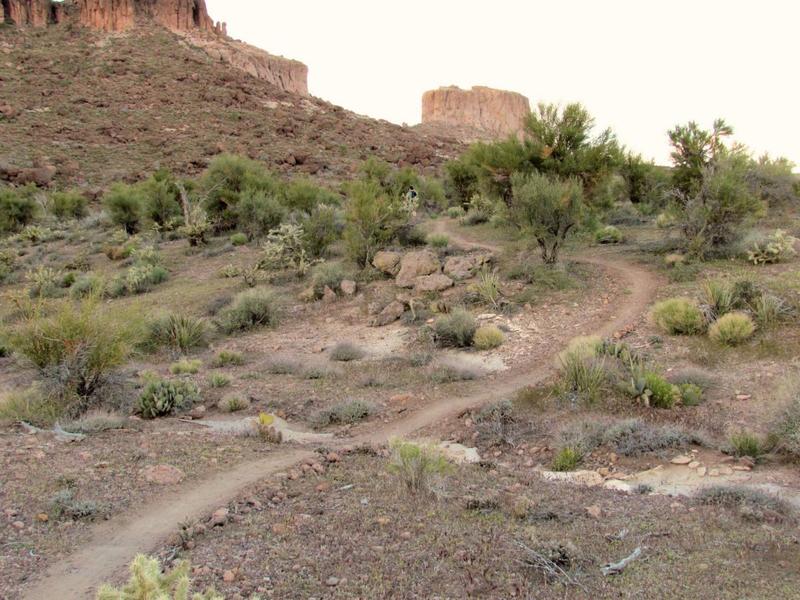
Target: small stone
[332, 457]
[681, 460]
[18, 525]
[332, 581]
[594, 511]
[163, 474]
[328, 295]
[604, 471]
[228, 576]
[701, 471]
[726, 471]
[323, 487]
[383, 521]
[42, 517]
[348, 287]
[406, 535]
[401, 398]
[318, 468]
[219, 516]
[743, 397]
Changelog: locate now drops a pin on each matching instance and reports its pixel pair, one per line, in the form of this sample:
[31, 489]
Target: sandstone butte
[186, 17]
[495, 113]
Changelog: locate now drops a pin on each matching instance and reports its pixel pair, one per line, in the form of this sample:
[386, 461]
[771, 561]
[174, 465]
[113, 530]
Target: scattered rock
[433, 283]
[390, 314]
[701, 471]
[163, 474]
[198, 412]
[388, 262]
[416, 264]
[328, 295]
[464, 267]
[229, 576]
[332, 581]
[594, 511]
[219, 517]
[348, 287]
[585, 478]
[681, 460]
[459, 453]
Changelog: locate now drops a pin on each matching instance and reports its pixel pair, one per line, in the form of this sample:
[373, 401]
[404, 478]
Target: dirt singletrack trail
[114, 544]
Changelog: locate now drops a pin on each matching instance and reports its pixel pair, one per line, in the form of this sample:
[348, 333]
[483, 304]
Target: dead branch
[619, 567]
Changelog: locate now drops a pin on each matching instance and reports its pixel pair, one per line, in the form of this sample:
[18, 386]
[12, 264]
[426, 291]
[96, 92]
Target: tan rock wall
[496, 112]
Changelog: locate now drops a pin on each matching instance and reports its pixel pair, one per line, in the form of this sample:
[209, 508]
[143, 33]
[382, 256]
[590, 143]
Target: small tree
[124, 204]
[372, 220]
[694, 150]
[712, 215]
[547, 208]
[18, 207]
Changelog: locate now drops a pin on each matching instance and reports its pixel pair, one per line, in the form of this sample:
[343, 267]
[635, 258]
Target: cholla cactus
[773, 249]
[285, 249]
[43, 280]
[147, 582]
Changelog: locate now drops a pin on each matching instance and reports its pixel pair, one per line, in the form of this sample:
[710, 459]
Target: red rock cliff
[495, 112]
[26, 12]
[119, 15]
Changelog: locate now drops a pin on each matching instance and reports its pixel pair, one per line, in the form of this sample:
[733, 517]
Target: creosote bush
[416, 466]
[345, 413]
[346, 352]
[456, 329]
[732, 329]
[678, 316]
[258, 307]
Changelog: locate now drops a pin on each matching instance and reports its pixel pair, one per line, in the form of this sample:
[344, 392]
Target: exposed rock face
[287, 74]
[495, 112]
[119, 15]
[416, 264]
[26, 12]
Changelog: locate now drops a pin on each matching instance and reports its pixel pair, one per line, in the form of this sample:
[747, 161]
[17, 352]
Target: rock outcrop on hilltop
[185, 17]
[485, 111]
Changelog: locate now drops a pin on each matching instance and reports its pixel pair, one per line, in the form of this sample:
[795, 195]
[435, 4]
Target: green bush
[148, 582]
[228, 358]
[161, 199]
[416, 466]
[746, 443]
[181, 333]
[752, 505]
[64, 505]
[258, 212]
[217, 380]
[139, 279]
[691, 394]
[185, 367]
[239, 239]
[608, 235]
[770, 310]
[456, 329]
[719, 298]
[75, 345]
[732, 329]
[68, 205]
[328, 274]
[438, 240]
[321, 227]
[87, 285]
[566, 459]
[785, 430]
[304, 195]
[678, 316]
[17, 208]
[124, 204]
[258, 307]
[488, 337]
[455, 212]
[372, 219]
[162, 397]
[232, 404]
[662, 393]
[583, 376]
[33, 406]
[346, 352]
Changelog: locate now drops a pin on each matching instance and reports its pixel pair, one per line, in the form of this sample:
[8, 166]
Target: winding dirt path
[114, 543]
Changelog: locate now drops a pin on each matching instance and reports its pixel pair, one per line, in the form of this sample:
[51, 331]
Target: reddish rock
[163, 474]
[35, 13]
[416, 264]
[119, 15]
[495, 112]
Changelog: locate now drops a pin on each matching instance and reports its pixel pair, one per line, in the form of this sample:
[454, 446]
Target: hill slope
[105, 107]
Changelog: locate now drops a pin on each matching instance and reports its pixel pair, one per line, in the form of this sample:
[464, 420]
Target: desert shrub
[124, 204]
[456, 329]
[76, 346]
[139, 279]
[239, 239]
[258, 212]
[304, 195]
[160, 199]
[455, 212]
[372, 219]
[582, 374]
[488, 337]
[488, 287]
[746, 443]
[345, 413]
[547, 209]
[541, 276]
[566, 459]
[64, 505]
[181, 333]
[678, 316]
[162, 397]
[770, 310]
[68, 205]
[328, 274]
[258, 307]
[691, 394]
[785, 430]
[96, 422]
[494, 421]
[18, 208]
[87, 285]
[282, 365]
[228, 358]
[450, 372]
[185, 367]
[148, 581]
[44, 282]
[608, 235]
[652, 389]
[775, 248]
[416, 466]
[693, 376]
[753, 505]
[582, 347]
[232, 404]
[217, 380]
[313, 371]
[33, 405]
[732, 329]
[438, 240]
[321, 227]
[633, 437]
[346, 352]
[475, 216]
[719, 298]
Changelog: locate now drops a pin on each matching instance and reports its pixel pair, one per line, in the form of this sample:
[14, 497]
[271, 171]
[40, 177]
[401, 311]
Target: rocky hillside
[102, 107]
[478, 113]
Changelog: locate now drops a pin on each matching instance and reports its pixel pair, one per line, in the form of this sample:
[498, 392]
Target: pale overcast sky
[640, 66]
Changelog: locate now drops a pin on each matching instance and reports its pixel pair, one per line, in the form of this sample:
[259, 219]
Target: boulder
[416, 264]
[348, 287]
[389, 314]
[387, 262]
[464, 267]
[432, 283]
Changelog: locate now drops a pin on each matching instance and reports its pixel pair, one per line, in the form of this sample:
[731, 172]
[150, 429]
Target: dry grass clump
[346, 352]
[488, 337]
